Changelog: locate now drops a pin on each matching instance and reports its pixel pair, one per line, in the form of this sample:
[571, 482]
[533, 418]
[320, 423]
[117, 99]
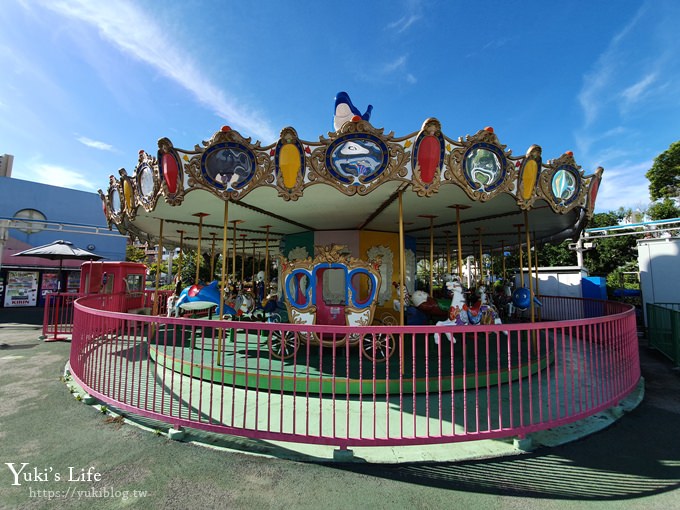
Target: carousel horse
[463, 314]
[419, 308]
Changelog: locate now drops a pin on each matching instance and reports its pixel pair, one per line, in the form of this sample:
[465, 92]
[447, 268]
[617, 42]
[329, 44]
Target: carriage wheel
[283, 345]
[378, 347]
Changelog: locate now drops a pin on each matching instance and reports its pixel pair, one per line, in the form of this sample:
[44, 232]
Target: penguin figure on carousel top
[346, 111]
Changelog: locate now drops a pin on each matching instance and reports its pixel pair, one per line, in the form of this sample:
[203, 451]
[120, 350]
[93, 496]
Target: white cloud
[56, 176]
[394, 66]
[102, 146]
[624, 185]
[135, 33]
[633, 93]
[403, 23]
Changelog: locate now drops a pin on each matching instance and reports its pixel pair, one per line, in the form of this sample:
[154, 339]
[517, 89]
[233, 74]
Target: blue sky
[86, 84]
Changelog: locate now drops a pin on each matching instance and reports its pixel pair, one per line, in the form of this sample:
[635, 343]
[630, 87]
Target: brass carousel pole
[431, 218]
[531, 287]
[532, 309]
[212, 257]
[448, 252]
[481, 256]
[254, 272]
[198, 244]
[181, 253]
[402, 285]
[458, 208]
[503, 258]
[266, 256]
[233, 250]
[225, 232]
[536, 273]
[243, 256]
[521, 260]
[159, 261]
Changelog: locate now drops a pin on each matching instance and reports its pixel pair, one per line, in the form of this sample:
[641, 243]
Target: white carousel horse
[419, 308]
[461, 314]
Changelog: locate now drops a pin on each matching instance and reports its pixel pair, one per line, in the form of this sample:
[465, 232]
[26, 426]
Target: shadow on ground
[638, 456]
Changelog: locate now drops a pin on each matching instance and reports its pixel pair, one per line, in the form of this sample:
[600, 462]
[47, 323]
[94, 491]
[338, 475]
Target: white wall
[556, 281]
[659, 263]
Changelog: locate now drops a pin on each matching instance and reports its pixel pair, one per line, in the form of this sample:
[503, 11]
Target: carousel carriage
[332, 289]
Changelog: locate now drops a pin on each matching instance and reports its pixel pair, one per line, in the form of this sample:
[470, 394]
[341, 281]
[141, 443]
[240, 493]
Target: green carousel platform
[474, 361]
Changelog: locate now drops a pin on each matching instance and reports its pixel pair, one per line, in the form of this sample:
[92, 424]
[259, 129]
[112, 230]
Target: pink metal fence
[58, 311]
[495, 381]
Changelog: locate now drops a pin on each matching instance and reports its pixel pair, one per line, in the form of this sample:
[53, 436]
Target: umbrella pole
[57, 301]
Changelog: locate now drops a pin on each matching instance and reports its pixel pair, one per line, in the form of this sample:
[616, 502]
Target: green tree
[556, 254]
[663, 210]
[189, 267]
[609, 253]
[135, 254]
[664, 176]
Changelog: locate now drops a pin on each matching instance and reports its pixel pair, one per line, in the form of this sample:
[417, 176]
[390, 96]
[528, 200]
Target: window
[29, 221]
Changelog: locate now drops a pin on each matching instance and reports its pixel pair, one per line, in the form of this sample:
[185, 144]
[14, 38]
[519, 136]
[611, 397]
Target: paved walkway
[77, 457]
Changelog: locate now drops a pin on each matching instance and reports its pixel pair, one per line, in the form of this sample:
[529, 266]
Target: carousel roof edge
[355, 160]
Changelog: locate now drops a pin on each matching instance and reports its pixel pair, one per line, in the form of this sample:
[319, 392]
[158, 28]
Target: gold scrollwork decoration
[529, 173]
[427, 159]
[491, 169]
[290, 165]
[562, 184]
[147, 181]
[171, 172]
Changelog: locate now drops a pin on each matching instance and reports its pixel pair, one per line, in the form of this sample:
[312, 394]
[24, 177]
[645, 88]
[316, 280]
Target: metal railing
[663, 329]
[495, 381]
[58, 311]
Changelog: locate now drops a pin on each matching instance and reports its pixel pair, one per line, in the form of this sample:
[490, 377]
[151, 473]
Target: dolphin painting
[352, 159]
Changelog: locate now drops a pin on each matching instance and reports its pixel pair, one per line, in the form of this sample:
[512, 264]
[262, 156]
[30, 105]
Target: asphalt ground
[70, 455]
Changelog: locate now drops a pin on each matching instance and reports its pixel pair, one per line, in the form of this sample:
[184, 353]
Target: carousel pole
[225, 232]
[536, 273]
[448, 251]
[254, 272]
[212, 257]
[198, 244]
[519, 247]
[458, 208]
[266, 256]
[159, 260]
[531, 287]
[431, 255]
[431, 218]
[481, 256]
[460, 244]
[402, 285]
[181, 254]
[503, 259]
[243, 256]
[233, 249]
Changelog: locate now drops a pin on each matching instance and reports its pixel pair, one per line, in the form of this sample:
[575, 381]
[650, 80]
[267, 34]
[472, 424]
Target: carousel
[336, 229]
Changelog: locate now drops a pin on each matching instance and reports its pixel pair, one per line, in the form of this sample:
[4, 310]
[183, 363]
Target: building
[6, 161]
[34, 214]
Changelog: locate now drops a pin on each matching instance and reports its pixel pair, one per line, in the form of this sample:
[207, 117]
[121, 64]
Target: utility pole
[579, 247]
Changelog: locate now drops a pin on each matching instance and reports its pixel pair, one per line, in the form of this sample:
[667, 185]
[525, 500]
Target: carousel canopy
[357, 178]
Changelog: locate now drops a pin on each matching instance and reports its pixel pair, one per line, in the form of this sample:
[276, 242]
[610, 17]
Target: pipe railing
[495, 381]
